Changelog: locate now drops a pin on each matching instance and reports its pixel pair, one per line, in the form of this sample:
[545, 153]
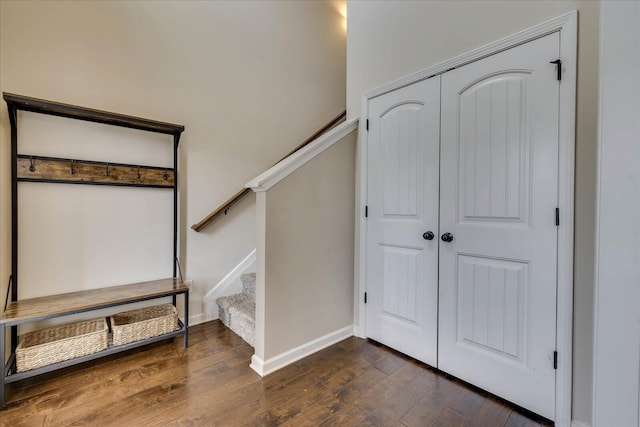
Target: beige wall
[249, 80]
[389, 40]
[308, 288]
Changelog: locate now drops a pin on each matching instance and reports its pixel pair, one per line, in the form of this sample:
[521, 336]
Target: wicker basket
[53, 345]
[143, 323]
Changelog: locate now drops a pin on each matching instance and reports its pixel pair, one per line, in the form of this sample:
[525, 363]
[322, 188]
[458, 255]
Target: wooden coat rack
[33, 168]
[27, 167]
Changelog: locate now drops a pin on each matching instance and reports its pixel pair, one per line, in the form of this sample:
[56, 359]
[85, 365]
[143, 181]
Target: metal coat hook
[166, 175]
[138, 173]
[72, 169]
[107, 173]
[32, 168]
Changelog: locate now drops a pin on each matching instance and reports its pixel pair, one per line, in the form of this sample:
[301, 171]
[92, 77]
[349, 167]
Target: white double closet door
[469, 157]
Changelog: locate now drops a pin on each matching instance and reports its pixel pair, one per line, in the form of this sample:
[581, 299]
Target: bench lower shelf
[111, 349]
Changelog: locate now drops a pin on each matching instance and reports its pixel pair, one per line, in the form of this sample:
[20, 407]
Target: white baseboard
[357, 331]
[257, 364]
[196, 319]
[280, 361]
[575, 423]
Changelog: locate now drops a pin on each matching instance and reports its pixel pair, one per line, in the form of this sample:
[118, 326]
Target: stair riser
[224, 316]
[250, 293]
[249, 285]
[243, 327]
[237, 312]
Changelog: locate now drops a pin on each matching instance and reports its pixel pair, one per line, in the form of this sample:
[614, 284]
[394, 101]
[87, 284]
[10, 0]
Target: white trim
[360, 275]
[356, 331]
[575, 423]
[567, 25]
[261, 269]
[257, 364]
[566, 199]
[196, 319]
[280, 361]
[231, 278]
[233, 275]
[277, 173]
[596, 254]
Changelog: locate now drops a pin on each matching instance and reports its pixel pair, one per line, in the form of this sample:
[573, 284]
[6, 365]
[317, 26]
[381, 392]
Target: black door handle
[428, 235]
[447, 237]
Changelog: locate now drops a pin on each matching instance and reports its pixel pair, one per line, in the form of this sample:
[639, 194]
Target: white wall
[249, 80]
[391, 39]
[617, 333]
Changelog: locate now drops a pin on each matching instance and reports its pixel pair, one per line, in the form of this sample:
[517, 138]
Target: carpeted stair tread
[228, 301]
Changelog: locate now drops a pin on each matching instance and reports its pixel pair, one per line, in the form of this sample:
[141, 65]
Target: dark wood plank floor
[352, 383]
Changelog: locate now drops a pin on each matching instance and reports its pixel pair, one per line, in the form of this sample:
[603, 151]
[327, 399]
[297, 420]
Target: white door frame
[567, 25]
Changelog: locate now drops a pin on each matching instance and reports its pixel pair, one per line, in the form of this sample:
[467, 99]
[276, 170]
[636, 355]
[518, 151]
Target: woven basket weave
[143, 323]
[53, 345]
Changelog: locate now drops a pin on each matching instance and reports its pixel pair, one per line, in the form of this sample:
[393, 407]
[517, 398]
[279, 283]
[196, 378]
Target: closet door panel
[499, 190]
[402, 266]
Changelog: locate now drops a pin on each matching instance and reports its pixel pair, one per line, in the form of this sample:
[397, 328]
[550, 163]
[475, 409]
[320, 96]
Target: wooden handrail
[224, 207]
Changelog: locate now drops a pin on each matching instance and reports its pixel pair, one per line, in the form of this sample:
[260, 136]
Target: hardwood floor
[352, 383]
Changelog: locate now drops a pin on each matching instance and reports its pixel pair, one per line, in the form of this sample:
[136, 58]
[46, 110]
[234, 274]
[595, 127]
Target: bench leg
[186, 319]
[3, 346]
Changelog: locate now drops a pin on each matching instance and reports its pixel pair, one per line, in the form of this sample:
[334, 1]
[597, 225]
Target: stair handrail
[224, 208]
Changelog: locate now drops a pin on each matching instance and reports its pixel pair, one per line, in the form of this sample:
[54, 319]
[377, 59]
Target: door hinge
[555, 360]
[367, 124]
[557, 216]
[558, 63]
[365, 297]
[366, 211]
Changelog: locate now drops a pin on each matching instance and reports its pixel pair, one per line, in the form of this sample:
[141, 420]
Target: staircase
[238, 312]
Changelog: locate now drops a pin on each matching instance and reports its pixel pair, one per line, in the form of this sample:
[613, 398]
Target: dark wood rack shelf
[42, 106]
